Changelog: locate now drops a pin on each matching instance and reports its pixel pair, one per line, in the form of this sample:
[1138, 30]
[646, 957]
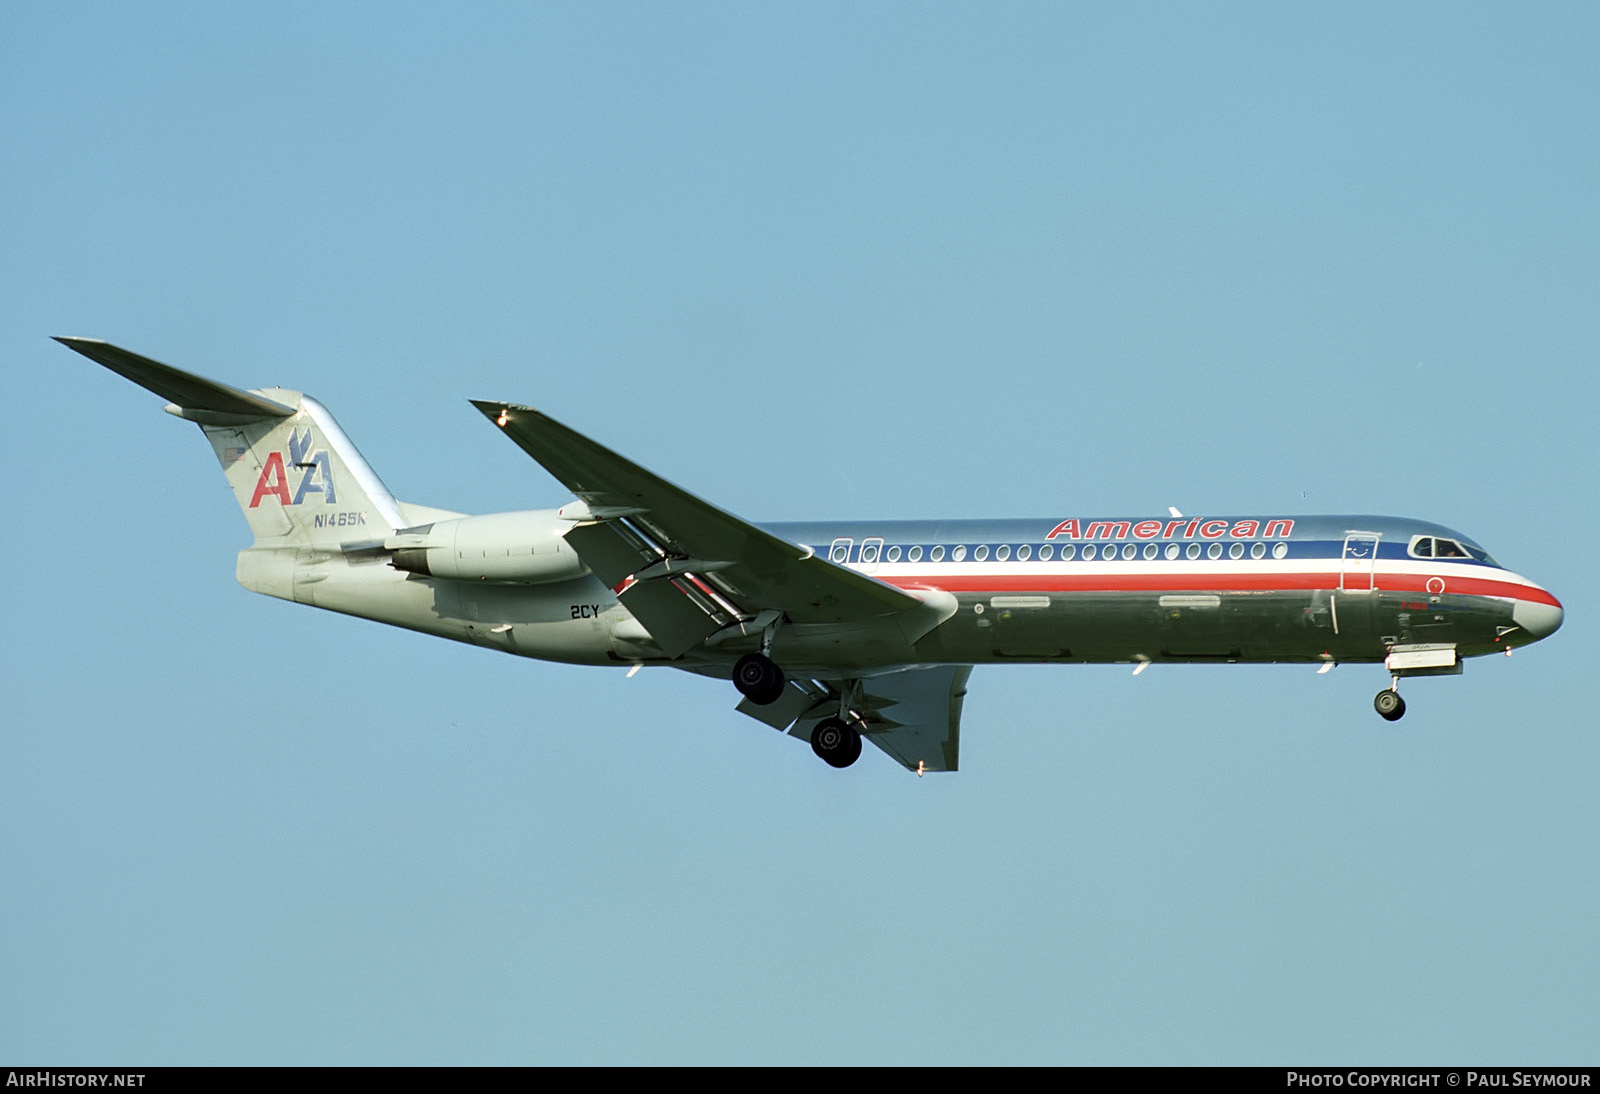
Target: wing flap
[780, 715]
[913, 715]
[674, 619]
[610, 550]
[921, 713]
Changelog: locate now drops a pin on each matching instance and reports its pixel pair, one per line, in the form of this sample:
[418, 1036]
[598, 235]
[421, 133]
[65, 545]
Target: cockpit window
[1440, 547]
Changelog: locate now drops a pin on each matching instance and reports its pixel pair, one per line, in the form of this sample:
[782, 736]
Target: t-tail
[300, 482]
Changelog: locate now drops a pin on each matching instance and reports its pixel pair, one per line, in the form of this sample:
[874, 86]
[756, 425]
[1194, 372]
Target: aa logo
[316, 476]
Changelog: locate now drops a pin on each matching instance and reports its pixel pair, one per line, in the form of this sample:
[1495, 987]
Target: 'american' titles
[1177, 528]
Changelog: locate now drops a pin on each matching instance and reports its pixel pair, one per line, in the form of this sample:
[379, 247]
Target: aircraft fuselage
[1318, 589]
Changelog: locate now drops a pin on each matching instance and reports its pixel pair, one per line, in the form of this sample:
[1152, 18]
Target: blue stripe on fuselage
[1312, 537]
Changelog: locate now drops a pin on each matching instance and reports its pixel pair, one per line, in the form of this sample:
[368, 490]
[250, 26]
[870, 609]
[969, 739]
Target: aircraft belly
[1473, 624]
[556, 622]
[872, 644]
[581, 621]
[1132, 626]
[377, 592]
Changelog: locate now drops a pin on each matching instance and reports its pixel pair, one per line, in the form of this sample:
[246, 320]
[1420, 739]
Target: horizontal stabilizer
[187, 390]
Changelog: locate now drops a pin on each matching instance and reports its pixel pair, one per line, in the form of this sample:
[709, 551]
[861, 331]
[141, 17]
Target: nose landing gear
[1388, 703]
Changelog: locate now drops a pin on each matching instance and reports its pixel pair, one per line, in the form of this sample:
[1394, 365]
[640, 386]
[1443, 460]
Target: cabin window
[1193, 551]
[1258, 550]
[1280, 550]
[1002, 553]
[840, 552]
[938, 554]
[959, 553]
[1129, 550]
[1024, 553]
[893, 554]
[980, 552]
[1151, 550]
[1045, 552]
[1214, 551]
[869, 553]
[914, 555]
[1172, 550]
[1067, 551]
[1088, 551]
[1236, 551]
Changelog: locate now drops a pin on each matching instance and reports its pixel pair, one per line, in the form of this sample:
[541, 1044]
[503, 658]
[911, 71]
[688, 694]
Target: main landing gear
[1388, 703]
[836, 743]
[759, 679]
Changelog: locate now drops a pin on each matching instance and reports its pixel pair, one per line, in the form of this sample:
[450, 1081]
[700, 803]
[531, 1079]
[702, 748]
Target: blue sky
[809, 261]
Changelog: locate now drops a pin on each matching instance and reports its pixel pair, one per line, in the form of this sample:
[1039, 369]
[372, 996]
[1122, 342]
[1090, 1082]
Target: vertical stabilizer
[299, 480]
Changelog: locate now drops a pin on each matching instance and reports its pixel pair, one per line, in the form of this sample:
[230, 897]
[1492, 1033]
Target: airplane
[834, 633]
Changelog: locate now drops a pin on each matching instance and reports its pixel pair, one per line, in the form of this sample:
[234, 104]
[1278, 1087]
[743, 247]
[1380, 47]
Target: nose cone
[1538, 618]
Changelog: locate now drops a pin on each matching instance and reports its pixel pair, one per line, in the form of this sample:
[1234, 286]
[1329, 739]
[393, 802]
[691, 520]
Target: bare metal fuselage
[1312, 605]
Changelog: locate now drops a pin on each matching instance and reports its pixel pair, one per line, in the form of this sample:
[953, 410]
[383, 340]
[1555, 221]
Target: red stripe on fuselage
[1218, 582]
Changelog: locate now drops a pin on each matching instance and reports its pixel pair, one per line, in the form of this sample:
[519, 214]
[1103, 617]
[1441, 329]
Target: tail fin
[299, 480]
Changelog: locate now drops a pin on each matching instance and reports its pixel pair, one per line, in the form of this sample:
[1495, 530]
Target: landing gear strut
[837, 743]
[759, 679]
[1388, 703]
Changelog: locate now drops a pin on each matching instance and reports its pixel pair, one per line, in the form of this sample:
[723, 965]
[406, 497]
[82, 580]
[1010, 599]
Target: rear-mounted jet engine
[523, 548]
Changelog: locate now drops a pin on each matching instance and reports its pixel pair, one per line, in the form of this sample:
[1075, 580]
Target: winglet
[185, 389]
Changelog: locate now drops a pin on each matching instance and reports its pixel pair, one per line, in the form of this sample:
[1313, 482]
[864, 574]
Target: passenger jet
[834, 633]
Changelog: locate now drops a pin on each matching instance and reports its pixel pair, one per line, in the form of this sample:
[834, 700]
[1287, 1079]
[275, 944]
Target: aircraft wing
[913, 715]
[695, 568]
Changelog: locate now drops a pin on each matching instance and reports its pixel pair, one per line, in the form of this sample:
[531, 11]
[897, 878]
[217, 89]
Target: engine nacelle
[510, 548]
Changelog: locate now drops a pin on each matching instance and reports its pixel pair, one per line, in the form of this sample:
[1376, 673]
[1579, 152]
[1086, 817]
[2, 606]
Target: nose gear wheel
[1389, 705]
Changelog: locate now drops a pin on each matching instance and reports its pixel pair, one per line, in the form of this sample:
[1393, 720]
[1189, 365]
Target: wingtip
[500, 412]
[483, 404]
